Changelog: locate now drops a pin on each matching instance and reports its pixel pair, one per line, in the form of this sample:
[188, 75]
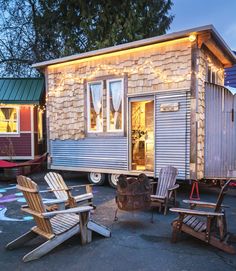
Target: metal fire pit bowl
[133, 193]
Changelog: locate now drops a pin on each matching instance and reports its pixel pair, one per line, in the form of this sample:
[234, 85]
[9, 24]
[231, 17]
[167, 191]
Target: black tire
[112, 179]
[96, 178]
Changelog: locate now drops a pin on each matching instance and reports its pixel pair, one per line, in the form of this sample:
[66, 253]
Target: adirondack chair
[210, 227]
[57, 226]
[166, 189]
[62, 191]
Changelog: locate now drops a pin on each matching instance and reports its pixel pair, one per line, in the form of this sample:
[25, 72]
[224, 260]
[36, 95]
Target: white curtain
[116, 95]
[96, 91]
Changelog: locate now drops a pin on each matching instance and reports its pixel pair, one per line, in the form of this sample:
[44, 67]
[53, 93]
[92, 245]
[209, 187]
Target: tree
[39, 30]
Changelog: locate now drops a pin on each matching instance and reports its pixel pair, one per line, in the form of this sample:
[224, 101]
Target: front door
[142, 135]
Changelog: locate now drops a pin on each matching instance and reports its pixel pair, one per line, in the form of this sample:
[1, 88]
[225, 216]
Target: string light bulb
[192, 37]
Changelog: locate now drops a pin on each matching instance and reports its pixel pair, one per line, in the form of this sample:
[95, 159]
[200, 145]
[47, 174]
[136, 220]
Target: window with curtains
[8, 120]
[107, 117]
[115, 101]
[95, 106]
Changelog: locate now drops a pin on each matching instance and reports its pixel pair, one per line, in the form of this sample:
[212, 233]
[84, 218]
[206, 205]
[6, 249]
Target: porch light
[192, 37]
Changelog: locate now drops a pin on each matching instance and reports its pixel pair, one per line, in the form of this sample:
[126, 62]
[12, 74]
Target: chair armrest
[54, 201]
[202, 203]
[195, 212]
[173, 187]
[83, 197]
[80, 185]
[49, 190]
[75, 210]
[157, 197]
[26, 209]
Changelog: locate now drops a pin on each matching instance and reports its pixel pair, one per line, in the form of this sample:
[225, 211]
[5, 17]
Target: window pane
[213, 77]
[95, 104]
[8, 113]
[8, 127]
[8, 120]
[115, 105]
[209, 75]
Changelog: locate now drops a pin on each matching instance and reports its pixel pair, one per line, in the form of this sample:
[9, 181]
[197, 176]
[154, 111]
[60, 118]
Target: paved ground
[136, 244]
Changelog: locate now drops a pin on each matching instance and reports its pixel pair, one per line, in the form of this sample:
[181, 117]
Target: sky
[194, 13]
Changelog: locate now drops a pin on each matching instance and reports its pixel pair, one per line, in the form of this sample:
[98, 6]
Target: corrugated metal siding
[107, 153]
[172, 132]
[219, 132]
[230, 76]
[21, 144]
[21, 90]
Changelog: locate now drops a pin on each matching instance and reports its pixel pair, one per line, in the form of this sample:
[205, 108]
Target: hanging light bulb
[192, 37]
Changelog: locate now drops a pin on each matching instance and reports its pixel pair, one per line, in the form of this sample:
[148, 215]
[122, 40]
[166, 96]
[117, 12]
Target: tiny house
[142, 105]
[21, 118]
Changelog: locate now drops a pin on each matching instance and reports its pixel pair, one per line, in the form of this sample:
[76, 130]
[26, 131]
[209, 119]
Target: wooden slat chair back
[166, 189]
[166, 180]
[35, 204]
[57, 184]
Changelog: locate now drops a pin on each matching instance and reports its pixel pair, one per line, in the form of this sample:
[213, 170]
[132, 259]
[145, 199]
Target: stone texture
[164, 66]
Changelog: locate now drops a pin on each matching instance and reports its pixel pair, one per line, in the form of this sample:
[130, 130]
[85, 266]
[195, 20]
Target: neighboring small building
[21, 118]
[230, 76]
[143, 105]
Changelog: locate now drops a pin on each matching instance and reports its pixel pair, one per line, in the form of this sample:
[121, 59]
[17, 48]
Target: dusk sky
[194, 13]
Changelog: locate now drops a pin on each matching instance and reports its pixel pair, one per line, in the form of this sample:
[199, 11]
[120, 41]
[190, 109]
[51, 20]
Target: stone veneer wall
[160, 67]
[205, 58]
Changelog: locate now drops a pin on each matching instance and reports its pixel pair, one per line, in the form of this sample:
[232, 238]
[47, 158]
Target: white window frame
[108, 104]
[88, 106]
[17, 120]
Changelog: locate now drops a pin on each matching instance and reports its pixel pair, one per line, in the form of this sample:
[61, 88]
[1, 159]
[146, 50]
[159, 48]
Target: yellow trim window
[8, 120]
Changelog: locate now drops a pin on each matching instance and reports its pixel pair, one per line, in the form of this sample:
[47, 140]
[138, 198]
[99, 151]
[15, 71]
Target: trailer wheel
[113, 179]
[96, 178]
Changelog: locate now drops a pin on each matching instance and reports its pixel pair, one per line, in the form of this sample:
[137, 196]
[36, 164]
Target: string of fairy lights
[147, 68]
[40, 108]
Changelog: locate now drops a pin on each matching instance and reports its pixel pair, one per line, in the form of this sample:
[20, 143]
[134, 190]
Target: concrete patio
[136, 244]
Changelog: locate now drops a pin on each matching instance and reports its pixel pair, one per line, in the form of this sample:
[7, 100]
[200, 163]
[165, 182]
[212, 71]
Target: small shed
[230, 76]
[143, 105]
[21, 118]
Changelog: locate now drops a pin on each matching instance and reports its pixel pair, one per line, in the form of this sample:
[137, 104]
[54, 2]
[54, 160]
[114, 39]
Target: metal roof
[144, 42]
[21, 90]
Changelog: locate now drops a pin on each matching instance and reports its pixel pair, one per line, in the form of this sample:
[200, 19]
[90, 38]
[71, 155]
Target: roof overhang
[21, 90]
[214, 42]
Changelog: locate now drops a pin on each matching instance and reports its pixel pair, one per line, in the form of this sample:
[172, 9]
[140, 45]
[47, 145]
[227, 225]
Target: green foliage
[38, 30]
